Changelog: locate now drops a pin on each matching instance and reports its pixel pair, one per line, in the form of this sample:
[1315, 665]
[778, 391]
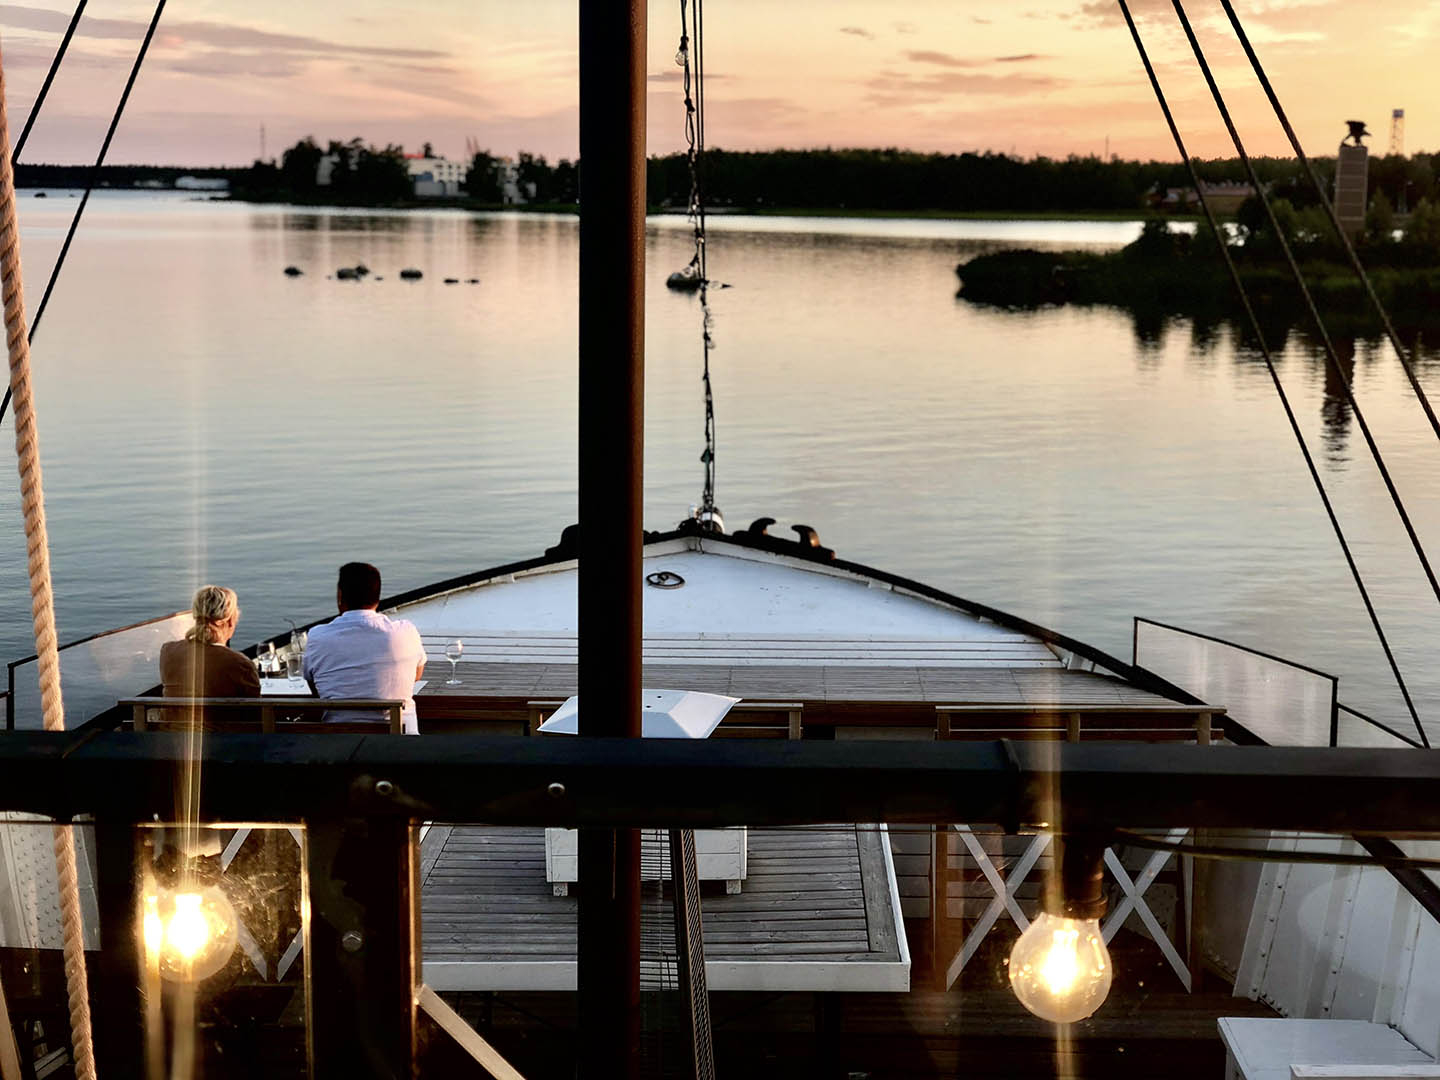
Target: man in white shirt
[363, 654]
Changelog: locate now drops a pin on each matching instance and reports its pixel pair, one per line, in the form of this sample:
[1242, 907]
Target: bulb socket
[1078, 890]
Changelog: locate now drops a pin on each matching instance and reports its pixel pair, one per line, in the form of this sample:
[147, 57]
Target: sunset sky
[1035, 76]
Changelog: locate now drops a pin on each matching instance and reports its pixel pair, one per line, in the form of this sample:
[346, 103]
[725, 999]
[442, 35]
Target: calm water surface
[205, 418]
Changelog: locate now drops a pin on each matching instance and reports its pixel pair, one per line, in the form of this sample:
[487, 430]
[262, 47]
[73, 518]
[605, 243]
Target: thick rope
[1270, 368]
[32, 501]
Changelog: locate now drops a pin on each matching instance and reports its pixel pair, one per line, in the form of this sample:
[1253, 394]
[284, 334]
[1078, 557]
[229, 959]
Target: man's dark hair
[359, 585]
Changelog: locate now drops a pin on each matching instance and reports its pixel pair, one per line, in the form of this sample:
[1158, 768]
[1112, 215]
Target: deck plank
[1024, 680]
[812, 895]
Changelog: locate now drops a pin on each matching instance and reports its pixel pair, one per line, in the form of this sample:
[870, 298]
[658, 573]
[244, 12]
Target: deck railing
[94, 670]
[359, 799]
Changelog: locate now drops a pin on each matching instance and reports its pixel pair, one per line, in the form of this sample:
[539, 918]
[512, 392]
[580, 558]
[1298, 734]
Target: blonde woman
[202, 665]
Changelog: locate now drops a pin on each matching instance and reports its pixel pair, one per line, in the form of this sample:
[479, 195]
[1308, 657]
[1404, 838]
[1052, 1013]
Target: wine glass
[453, 652]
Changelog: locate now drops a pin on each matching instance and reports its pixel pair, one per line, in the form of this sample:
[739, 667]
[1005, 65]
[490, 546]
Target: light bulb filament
[188, 935]
[187, 932]
[1060, 966]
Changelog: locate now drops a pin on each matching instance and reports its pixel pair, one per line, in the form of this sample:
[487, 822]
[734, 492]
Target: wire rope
[1254, 321]
[1330, 355]
[45, 86]
[90, 181]
[1344, 238]
[1376, 723]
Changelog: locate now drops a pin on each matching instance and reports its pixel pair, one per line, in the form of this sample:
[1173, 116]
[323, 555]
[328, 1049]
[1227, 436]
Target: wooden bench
[1258, 1048]
[271, 714]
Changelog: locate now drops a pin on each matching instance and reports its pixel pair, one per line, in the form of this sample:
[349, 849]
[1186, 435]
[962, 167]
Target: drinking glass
[453, 652]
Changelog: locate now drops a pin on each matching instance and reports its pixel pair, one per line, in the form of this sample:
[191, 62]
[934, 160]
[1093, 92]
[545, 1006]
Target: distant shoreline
[1137, 214]
[732, 211]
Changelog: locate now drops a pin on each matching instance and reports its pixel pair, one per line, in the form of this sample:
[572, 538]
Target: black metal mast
[612, 398]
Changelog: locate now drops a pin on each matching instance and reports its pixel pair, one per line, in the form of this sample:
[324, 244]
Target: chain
[692, 36]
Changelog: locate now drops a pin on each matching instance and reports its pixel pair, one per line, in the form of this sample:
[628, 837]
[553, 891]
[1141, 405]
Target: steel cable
[1329, 347]
[1254, 321]
[1334, 217]
[45, 86]
[90, 181]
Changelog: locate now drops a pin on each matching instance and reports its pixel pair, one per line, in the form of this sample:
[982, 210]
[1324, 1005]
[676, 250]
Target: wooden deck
[833, 684]
[817, 912]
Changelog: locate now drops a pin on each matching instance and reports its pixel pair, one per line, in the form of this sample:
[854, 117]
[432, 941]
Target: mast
[611, 446]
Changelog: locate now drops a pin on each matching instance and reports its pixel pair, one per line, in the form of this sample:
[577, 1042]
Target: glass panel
[1355, 730]
[97, 671]
[1283, 703]
[211, 966]
[222, 948]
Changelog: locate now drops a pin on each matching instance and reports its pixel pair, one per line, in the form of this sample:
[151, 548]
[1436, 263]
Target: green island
[1167, 272]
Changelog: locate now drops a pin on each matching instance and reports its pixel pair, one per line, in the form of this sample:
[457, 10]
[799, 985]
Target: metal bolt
[384, 787]
[352, 941]
[557, 791]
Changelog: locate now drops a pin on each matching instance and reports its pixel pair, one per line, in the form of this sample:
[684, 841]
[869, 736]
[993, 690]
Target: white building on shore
[436, 177]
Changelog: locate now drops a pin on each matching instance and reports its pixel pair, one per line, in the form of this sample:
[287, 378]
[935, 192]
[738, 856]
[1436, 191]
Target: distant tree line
[359, 174]
[536, 180]
[882, 180]
[116, 176]
[899, 180]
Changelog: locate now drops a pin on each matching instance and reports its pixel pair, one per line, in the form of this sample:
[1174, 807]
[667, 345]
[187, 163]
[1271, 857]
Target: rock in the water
[411, 274]
[361, 269]
[41, 195]
[472, 281]
[347, 273]
[293, 271]
[452, 281]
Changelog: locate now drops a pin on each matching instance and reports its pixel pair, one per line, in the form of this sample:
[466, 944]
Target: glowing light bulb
[189, 934]
[1060, 968]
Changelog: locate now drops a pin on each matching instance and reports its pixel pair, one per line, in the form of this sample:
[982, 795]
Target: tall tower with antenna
[1397, 132]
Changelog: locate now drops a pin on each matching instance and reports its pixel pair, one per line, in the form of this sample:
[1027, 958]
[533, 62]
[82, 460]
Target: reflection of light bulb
[154, 928]
[189, 934]
[1060, 968]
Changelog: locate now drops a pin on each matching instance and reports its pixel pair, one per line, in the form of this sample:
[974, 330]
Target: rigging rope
[1334, 218]
[90, 181]
[1254, 321]
[1330, 354]
[693, 37]
[49, 78]
[32, 498]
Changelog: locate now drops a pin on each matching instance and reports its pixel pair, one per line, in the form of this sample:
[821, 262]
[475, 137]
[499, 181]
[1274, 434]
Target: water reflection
[1077, 466]
[1336, 410]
